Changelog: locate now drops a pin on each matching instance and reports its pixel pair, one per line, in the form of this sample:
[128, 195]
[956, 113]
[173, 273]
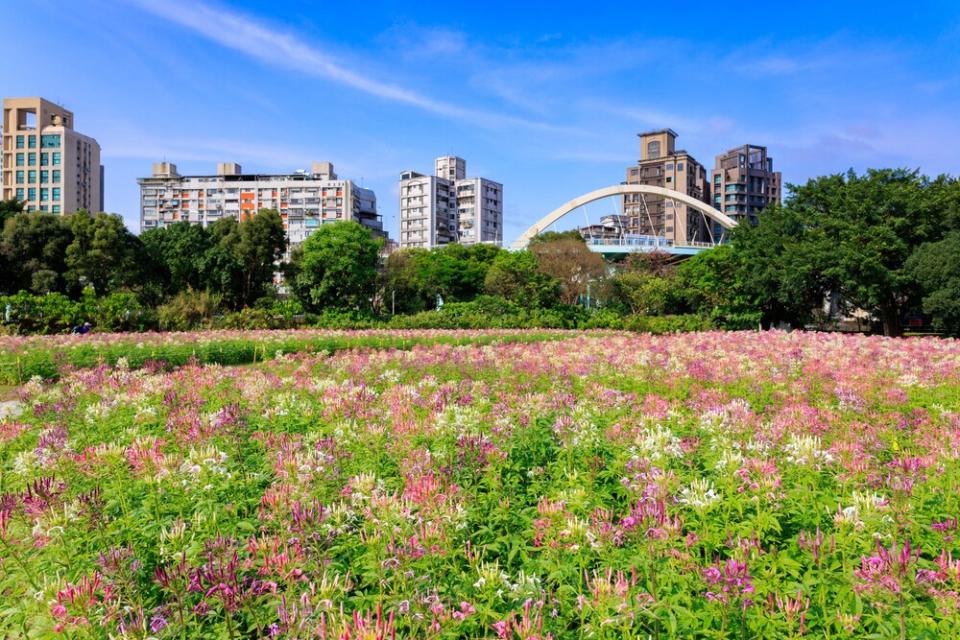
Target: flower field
[23, 357]
[711, 485]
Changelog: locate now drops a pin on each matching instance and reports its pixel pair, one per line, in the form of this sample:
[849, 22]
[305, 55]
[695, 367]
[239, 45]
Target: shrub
[667, 324]
[189, 310]
[120, 312]
[50, 313]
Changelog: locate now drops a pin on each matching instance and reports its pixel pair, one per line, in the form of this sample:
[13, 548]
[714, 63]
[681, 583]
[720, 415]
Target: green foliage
[490, 312]
[337, 268]
[643, 293]
[243, 256]
[571, 263]
[118, 312]
[33, 253]
[667, 324]
[102, 253]
[711, 284]
[176, 253]
[865, 227]
[25, 313]
[935, 266]
[514, 275]
[44, 314]
[189, 310]
[8, 209]
[414, 278]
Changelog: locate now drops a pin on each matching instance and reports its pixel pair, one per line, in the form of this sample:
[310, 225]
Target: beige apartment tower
[48, 165]
[744, 182]
[661, 164]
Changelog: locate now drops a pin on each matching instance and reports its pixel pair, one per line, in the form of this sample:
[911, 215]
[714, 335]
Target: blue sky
[544, 97]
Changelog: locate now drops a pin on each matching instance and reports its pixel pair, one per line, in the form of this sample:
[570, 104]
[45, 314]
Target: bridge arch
[620, 189]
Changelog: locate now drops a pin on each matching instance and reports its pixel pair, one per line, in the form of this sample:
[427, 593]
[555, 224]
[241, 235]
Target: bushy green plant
[26, 313]
[189, 310]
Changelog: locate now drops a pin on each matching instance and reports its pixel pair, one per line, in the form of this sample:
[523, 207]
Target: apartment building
[449, 207]
[744, 182]
[304, 199]
[661, 164]
[46, 164]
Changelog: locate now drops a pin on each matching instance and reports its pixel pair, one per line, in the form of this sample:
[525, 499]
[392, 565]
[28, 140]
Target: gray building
[304, 199]
[447, 207]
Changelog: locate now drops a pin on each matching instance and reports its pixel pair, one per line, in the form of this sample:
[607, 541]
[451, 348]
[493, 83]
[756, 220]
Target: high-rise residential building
[46, 163]
[744, 182]
[449, 207]
[304, 199]
[661, 164]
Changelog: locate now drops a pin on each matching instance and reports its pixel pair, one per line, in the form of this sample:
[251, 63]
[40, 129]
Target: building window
[56, 194]
[44, 159]
[51, 141]
[32, 175]
[56, 176]
[55, 208]
[653, 149]
[44, 176]
[19, 142]
[20, 176]
[20, 194]
[44, 193]
[679, 166]
[31, 159]
[19, 159]
[56, 158]
[31, 142]
[31, 194]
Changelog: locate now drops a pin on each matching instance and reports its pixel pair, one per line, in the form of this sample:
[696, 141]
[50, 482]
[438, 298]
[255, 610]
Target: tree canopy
[337, 268]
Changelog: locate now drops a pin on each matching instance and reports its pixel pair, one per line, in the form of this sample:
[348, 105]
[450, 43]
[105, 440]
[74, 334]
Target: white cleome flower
[700, 493]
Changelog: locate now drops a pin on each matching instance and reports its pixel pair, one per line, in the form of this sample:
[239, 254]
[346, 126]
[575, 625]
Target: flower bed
[714, 485]
[21, 358]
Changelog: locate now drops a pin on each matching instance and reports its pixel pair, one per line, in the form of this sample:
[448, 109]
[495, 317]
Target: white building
[304, 200]
[449, 207]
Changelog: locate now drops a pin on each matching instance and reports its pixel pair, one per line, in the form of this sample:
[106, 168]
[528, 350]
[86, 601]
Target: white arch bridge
[614, 238]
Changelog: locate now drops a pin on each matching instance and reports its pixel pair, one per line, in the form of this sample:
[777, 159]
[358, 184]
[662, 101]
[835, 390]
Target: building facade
[449, 207]
[661, 164]
[305, 200]
[744, 182]
[48, 165]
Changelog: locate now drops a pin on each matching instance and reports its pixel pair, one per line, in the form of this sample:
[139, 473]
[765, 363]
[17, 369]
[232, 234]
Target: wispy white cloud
[283, 49]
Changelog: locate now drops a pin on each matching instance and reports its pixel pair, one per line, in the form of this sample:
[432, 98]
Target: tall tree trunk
[891, 321]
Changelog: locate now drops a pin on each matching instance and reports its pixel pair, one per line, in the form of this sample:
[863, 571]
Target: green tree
[102, 253]
[243, 257]
[863, 228]
[935, 267]
[514, 275]
[33, 253]
[571, 263]
[405, 292]
[551, 236]
[778, 267]
[711, 284]
[176, 254]
[8, 209]
[337, 268]
[642, 293]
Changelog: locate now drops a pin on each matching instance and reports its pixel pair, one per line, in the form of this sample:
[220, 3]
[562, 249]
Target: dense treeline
[884, 244]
